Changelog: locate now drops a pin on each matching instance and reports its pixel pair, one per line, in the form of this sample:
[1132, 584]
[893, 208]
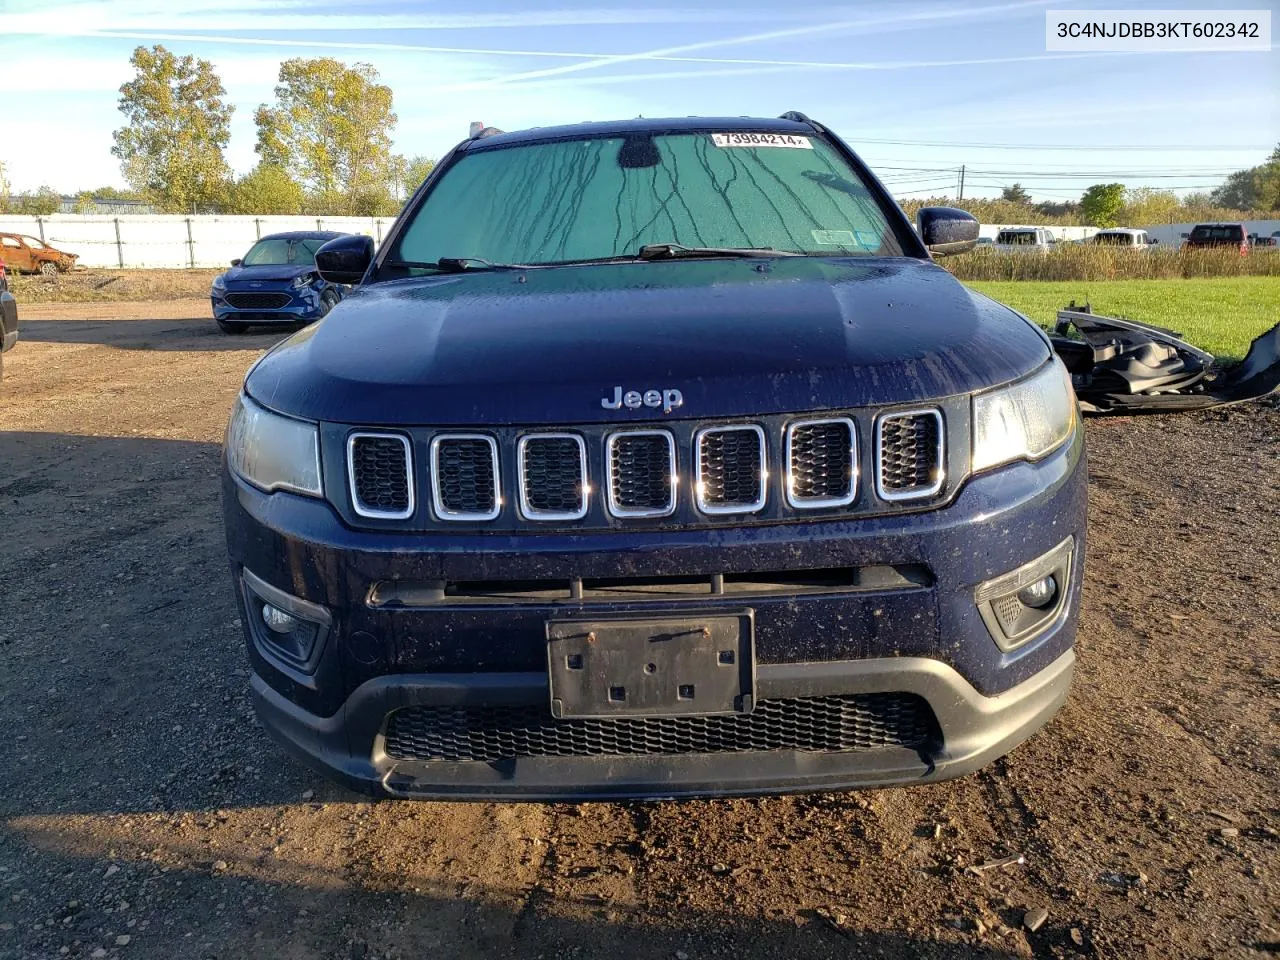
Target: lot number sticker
[761, 140]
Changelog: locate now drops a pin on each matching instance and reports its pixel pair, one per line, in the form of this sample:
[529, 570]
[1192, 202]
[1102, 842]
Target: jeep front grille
[464, 476]
[380, 473]
[822, 463]
[553, 476]
[856, 722]
[641, 468]
[730, 470]
[909, 454]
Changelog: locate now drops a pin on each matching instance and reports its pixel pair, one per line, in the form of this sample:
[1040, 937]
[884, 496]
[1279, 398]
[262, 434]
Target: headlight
[303, 281]
[1024, 420]
[273, 452]
[220, 282]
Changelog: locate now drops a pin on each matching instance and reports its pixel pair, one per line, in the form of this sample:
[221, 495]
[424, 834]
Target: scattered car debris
[981, 868]
[1123, 366]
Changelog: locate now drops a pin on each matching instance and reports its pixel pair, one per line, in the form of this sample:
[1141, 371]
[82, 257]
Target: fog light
[1020, 605]
[286, 630]
[1039, 594]
[278, 620]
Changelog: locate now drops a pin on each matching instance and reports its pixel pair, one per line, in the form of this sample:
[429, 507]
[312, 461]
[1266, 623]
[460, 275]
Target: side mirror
[946, 230]
[236, 262]
[345, 259]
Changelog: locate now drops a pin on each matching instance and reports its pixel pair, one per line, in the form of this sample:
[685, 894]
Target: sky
[918, 87]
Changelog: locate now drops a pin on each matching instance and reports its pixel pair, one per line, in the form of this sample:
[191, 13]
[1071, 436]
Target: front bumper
[303, 304]
[974, 730]
[925, 639]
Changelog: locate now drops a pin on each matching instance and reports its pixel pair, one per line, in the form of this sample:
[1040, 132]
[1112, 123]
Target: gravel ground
[145, 815]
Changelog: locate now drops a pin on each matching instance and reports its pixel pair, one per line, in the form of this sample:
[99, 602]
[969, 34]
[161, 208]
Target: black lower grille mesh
[380, 474]
[814, 724]
[640, 471]
[909, 458]
[821, 461]
[258, 301]
[732, 467]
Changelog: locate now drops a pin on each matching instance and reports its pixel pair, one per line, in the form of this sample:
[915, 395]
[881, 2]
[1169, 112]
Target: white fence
[212, 241]
[172, 241]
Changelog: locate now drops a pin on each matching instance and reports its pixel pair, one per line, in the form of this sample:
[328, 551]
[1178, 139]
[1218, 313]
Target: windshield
[1017, 236]
[1115, 239]
[33, 243]
[272, 253]
[594, 199]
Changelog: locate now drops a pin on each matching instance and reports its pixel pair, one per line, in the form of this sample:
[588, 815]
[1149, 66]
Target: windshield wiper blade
[456, 264]
[675, 251]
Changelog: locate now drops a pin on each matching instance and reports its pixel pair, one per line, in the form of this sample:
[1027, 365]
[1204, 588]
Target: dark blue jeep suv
[653, 459]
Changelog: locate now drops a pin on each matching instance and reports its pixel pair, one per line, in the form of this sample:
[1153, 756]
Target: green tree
[178, 126]
[1015, 194]
[330, 129]
[1102, 203]
[42, 203]
[85, 202]
[1148, 205]
[416, 170]
[266, 189]
[1257, 188]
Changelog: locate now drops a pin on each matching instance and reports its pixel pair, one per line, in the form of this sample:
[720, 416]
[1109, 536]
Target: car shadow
[190, 335]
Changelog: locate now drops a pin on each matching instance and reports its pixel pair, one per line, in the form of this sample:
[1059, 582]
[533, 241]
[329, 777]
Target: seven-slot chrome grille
[909, 455]
[768, 471]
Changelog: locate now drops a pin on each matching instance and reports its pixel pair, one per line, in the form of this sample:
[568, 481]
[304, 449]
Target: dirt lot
[144, 815]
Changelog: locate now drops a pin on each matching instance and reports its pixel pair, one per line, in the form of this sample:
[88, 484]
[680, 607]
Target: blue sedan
[276, 282]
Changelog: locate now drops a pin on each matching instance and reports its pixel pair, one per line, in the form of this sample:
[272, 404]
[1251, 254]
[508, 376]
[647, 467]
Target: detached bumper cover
[975, 729]
[1122, 366]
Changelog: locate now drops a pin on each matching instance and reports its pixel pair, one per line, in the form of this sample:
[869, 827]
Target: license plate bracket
[647, 666]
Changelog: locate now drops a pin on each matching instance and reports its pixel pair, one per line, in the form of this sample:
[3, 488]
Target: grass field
[1220, 315]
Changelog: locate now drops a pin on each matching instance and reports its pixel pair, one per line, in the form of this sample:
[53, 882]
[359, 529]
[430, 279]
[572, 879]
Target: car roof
[303, 235]
[640, 125]
[1129, 230]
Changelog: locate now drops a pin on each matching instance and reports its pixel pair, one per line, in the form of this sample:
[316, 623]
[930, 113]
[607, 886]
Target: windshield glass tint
[1218, 233]
[1016, 237]
[268, 253]
[595, 199]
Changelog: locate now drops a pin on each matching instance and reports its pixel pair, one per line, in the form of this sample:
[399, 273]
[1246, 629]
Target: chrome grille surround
[704, 464]
[850, 493]
[938, 471]
[527, 509]
[442, 509]
[357, 502]
[613, 480]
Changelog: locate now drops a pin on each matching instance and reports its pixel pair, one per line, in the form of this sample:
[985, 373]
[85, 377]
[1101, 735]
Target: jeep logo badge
[668, 400]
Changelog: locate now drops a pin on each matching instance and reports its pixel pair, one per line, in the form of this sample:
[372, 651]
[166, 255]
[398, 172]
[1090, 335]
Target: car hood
[283, 271]
[736, 338]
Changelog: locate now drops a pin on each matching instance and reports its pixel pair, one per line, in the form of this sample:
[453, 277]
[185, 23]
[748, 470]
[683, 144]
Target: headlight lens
[273, 452]
[220, 282]
[304, 281]
[1024, 420]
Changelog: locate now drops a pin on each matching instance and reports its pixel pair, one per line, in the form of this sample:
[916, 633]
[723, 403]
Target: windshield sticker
[761, 140]
[835, 238]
